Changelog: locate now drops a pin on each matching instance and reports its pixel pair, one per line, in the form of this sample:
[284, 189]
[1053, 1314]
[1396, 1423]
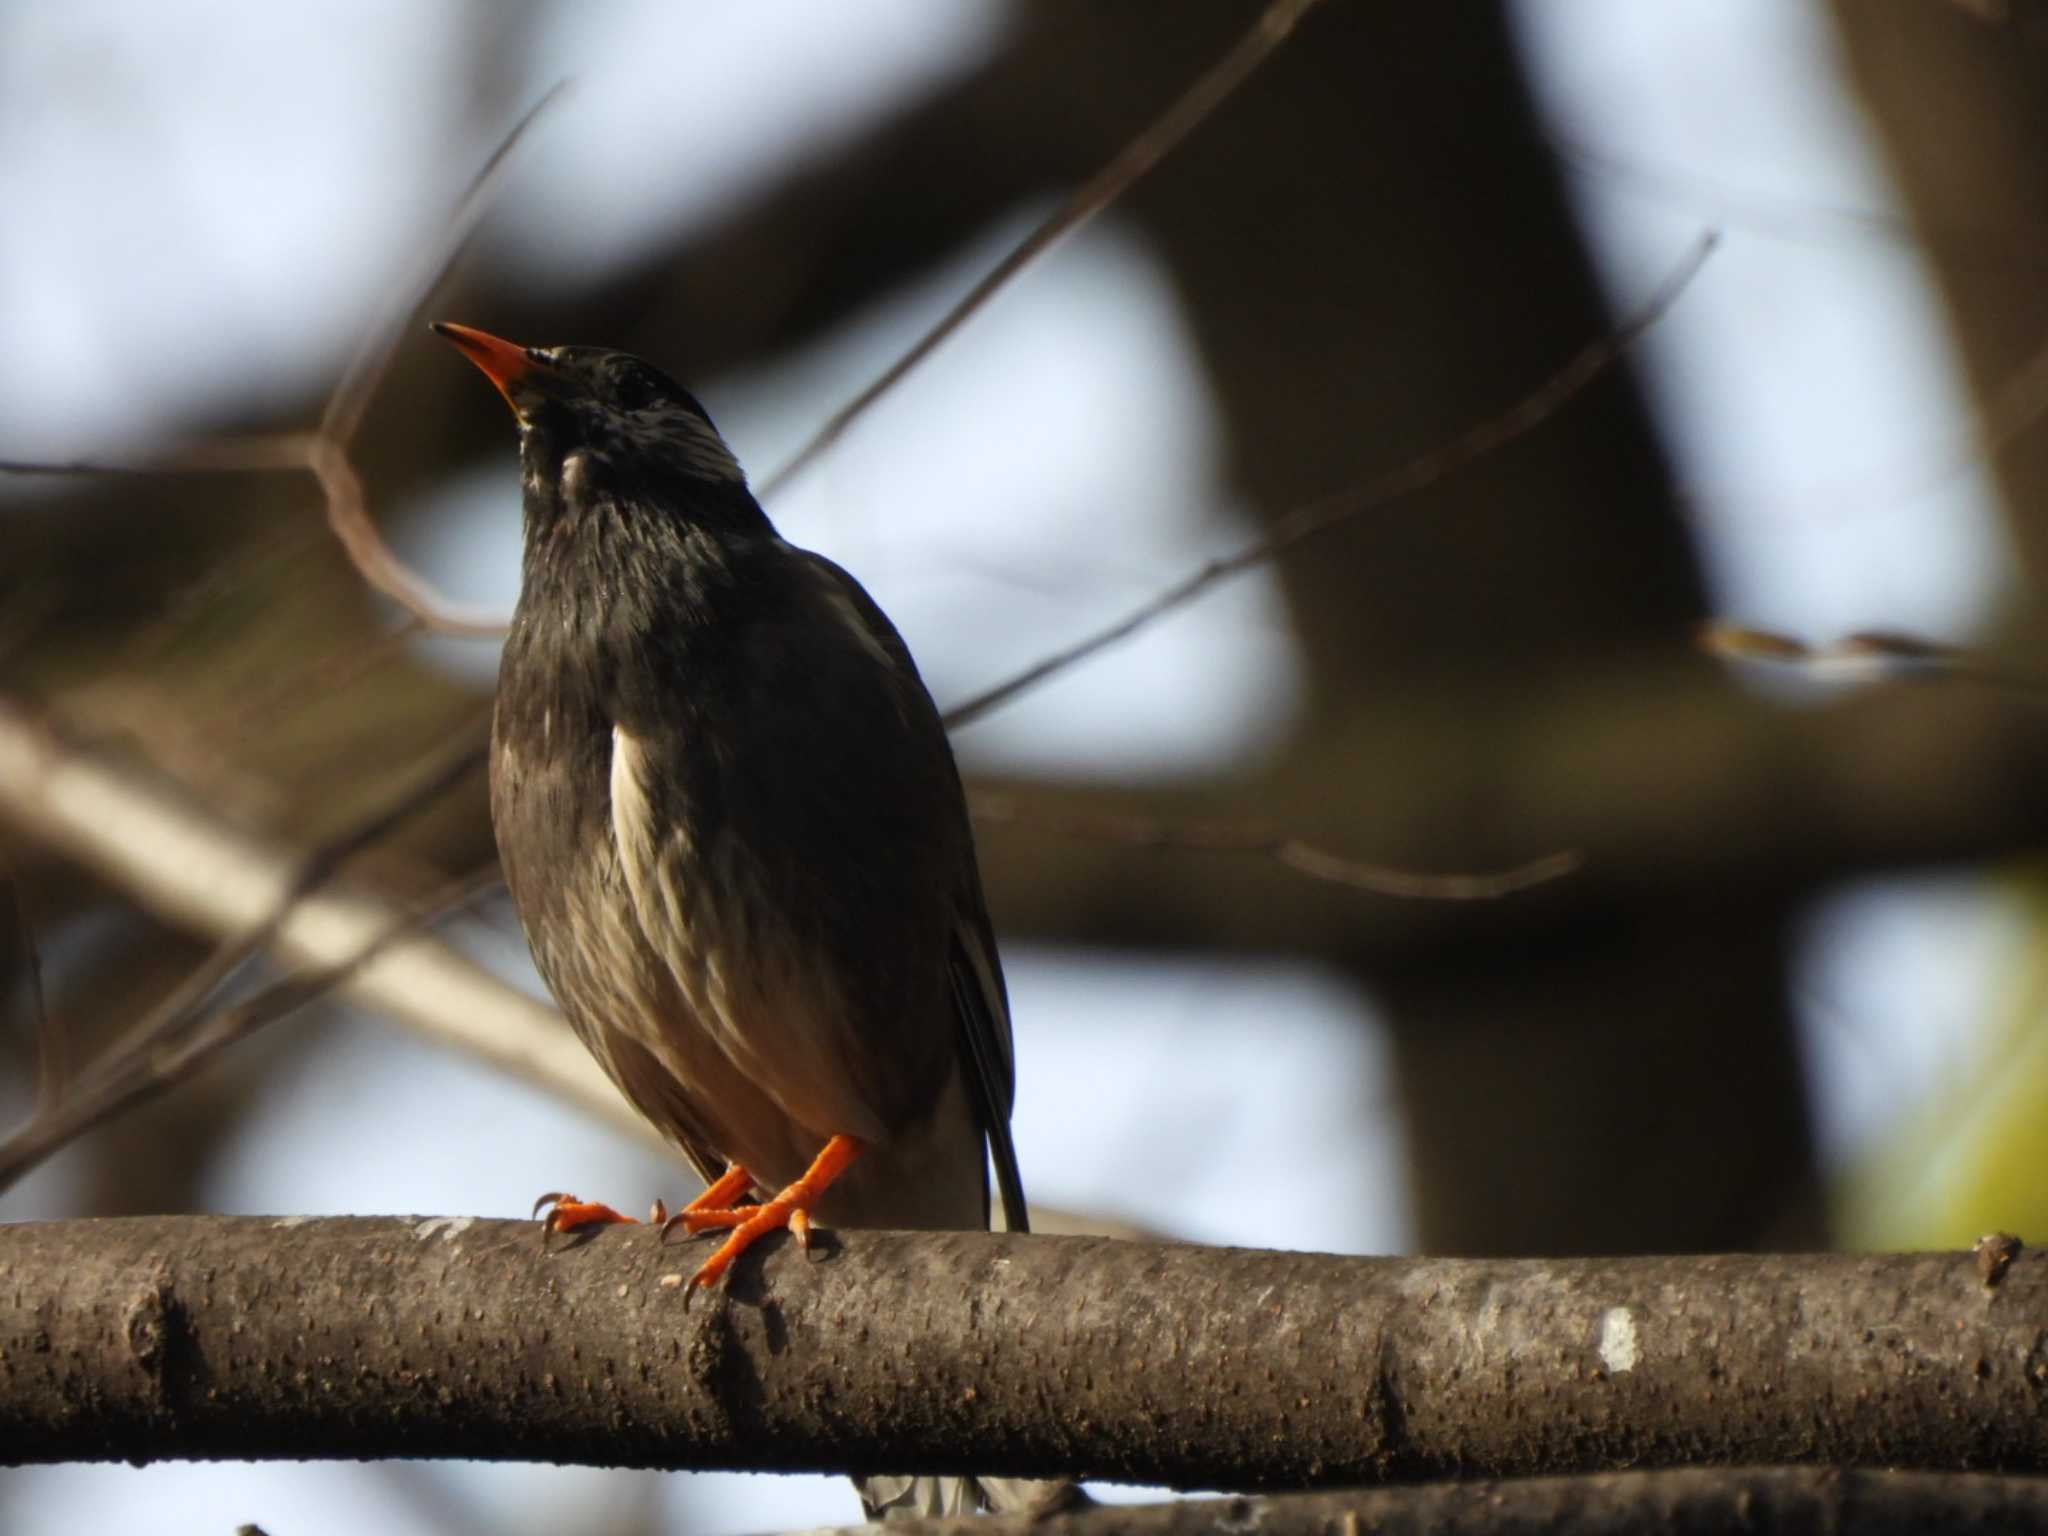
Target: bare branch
[1159, 139]
[170, 1337]
[254, 453]
[324, 453]
[1316, 517]
[342, 494]
[315, 870]
[348, 515]
[192, 868]
[1283, 848]
[1867, 655]
[168, 1048]
[1754, 210]
[170, 1041]
[1689, 1501]
[359, 381]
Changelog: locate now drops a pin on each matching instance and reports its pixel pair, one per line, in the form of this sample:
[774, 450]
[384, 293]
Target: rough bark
[250, 1338]
[1767, 1501]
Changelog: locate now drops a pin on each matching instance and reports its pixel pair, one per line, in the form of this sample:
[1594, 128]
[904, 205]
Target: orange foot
[719, 1194]
[750, 1223]
[566, 1213]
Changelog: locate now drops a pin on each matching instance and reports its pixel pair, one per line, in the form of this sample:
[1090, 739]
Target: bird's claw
[566, 1213]
[669, 1223]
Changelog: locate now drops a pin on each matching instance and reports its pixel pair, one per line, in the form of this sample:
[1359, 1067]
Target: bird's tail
[887, 1497]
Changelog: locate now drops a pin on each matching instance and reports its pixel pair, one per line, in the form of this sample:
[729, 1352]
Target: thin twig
[181, 860]
[1290, 852]
[254, 451]
[172, 1013]
[1863, 656]
[324, 452]
[328, 455]
[1753, 211]
[348, 515]
[1214, 87]
[171, 1041]
[342, 496]
[130, 1077]
[359, 381]
[1306, 521]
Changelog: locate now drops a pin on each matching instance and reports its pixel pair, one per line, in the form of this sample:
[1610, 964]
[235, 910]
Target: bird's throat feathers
[616, 540]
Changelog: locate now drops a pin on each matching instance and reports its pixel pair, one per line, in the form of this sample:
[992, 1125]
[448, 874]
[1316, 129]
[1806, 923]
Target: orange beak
[504, 363]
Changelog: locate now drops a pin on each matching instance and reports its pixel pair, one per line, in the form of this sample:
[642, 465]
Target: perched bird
[736, 838]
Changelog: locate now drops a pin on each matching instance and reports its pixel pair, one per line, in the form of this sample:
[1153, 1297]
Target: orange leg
[791, 1209]
[719, 1194]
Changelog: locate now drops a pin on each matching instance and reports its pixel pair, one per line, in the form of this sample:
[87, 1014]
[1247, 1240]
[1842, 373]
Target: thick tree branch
[1764, 1501]
[203, 1337]
[1672, 786]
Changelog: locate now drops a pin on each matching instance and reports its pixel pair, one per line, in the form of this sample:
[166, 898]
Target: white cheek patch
[575, 476]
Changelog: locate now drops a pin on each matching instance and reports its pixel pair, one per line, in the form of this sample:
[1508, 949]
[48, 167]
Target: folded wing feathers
[985, 1036]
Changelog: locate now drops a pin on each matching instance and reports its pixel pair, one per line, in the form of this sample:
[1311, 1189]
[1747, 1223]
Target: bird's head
[609, 408]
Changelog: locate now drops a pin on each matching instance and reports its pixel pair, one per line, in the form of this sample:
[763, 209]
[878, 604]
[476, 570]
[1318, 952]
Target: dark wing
[983, 1009]
[980, 1003]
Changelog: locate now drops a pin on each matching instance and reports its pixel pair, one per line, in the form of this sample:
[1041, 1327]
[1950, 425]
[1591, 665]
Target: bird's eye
[634, 389]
